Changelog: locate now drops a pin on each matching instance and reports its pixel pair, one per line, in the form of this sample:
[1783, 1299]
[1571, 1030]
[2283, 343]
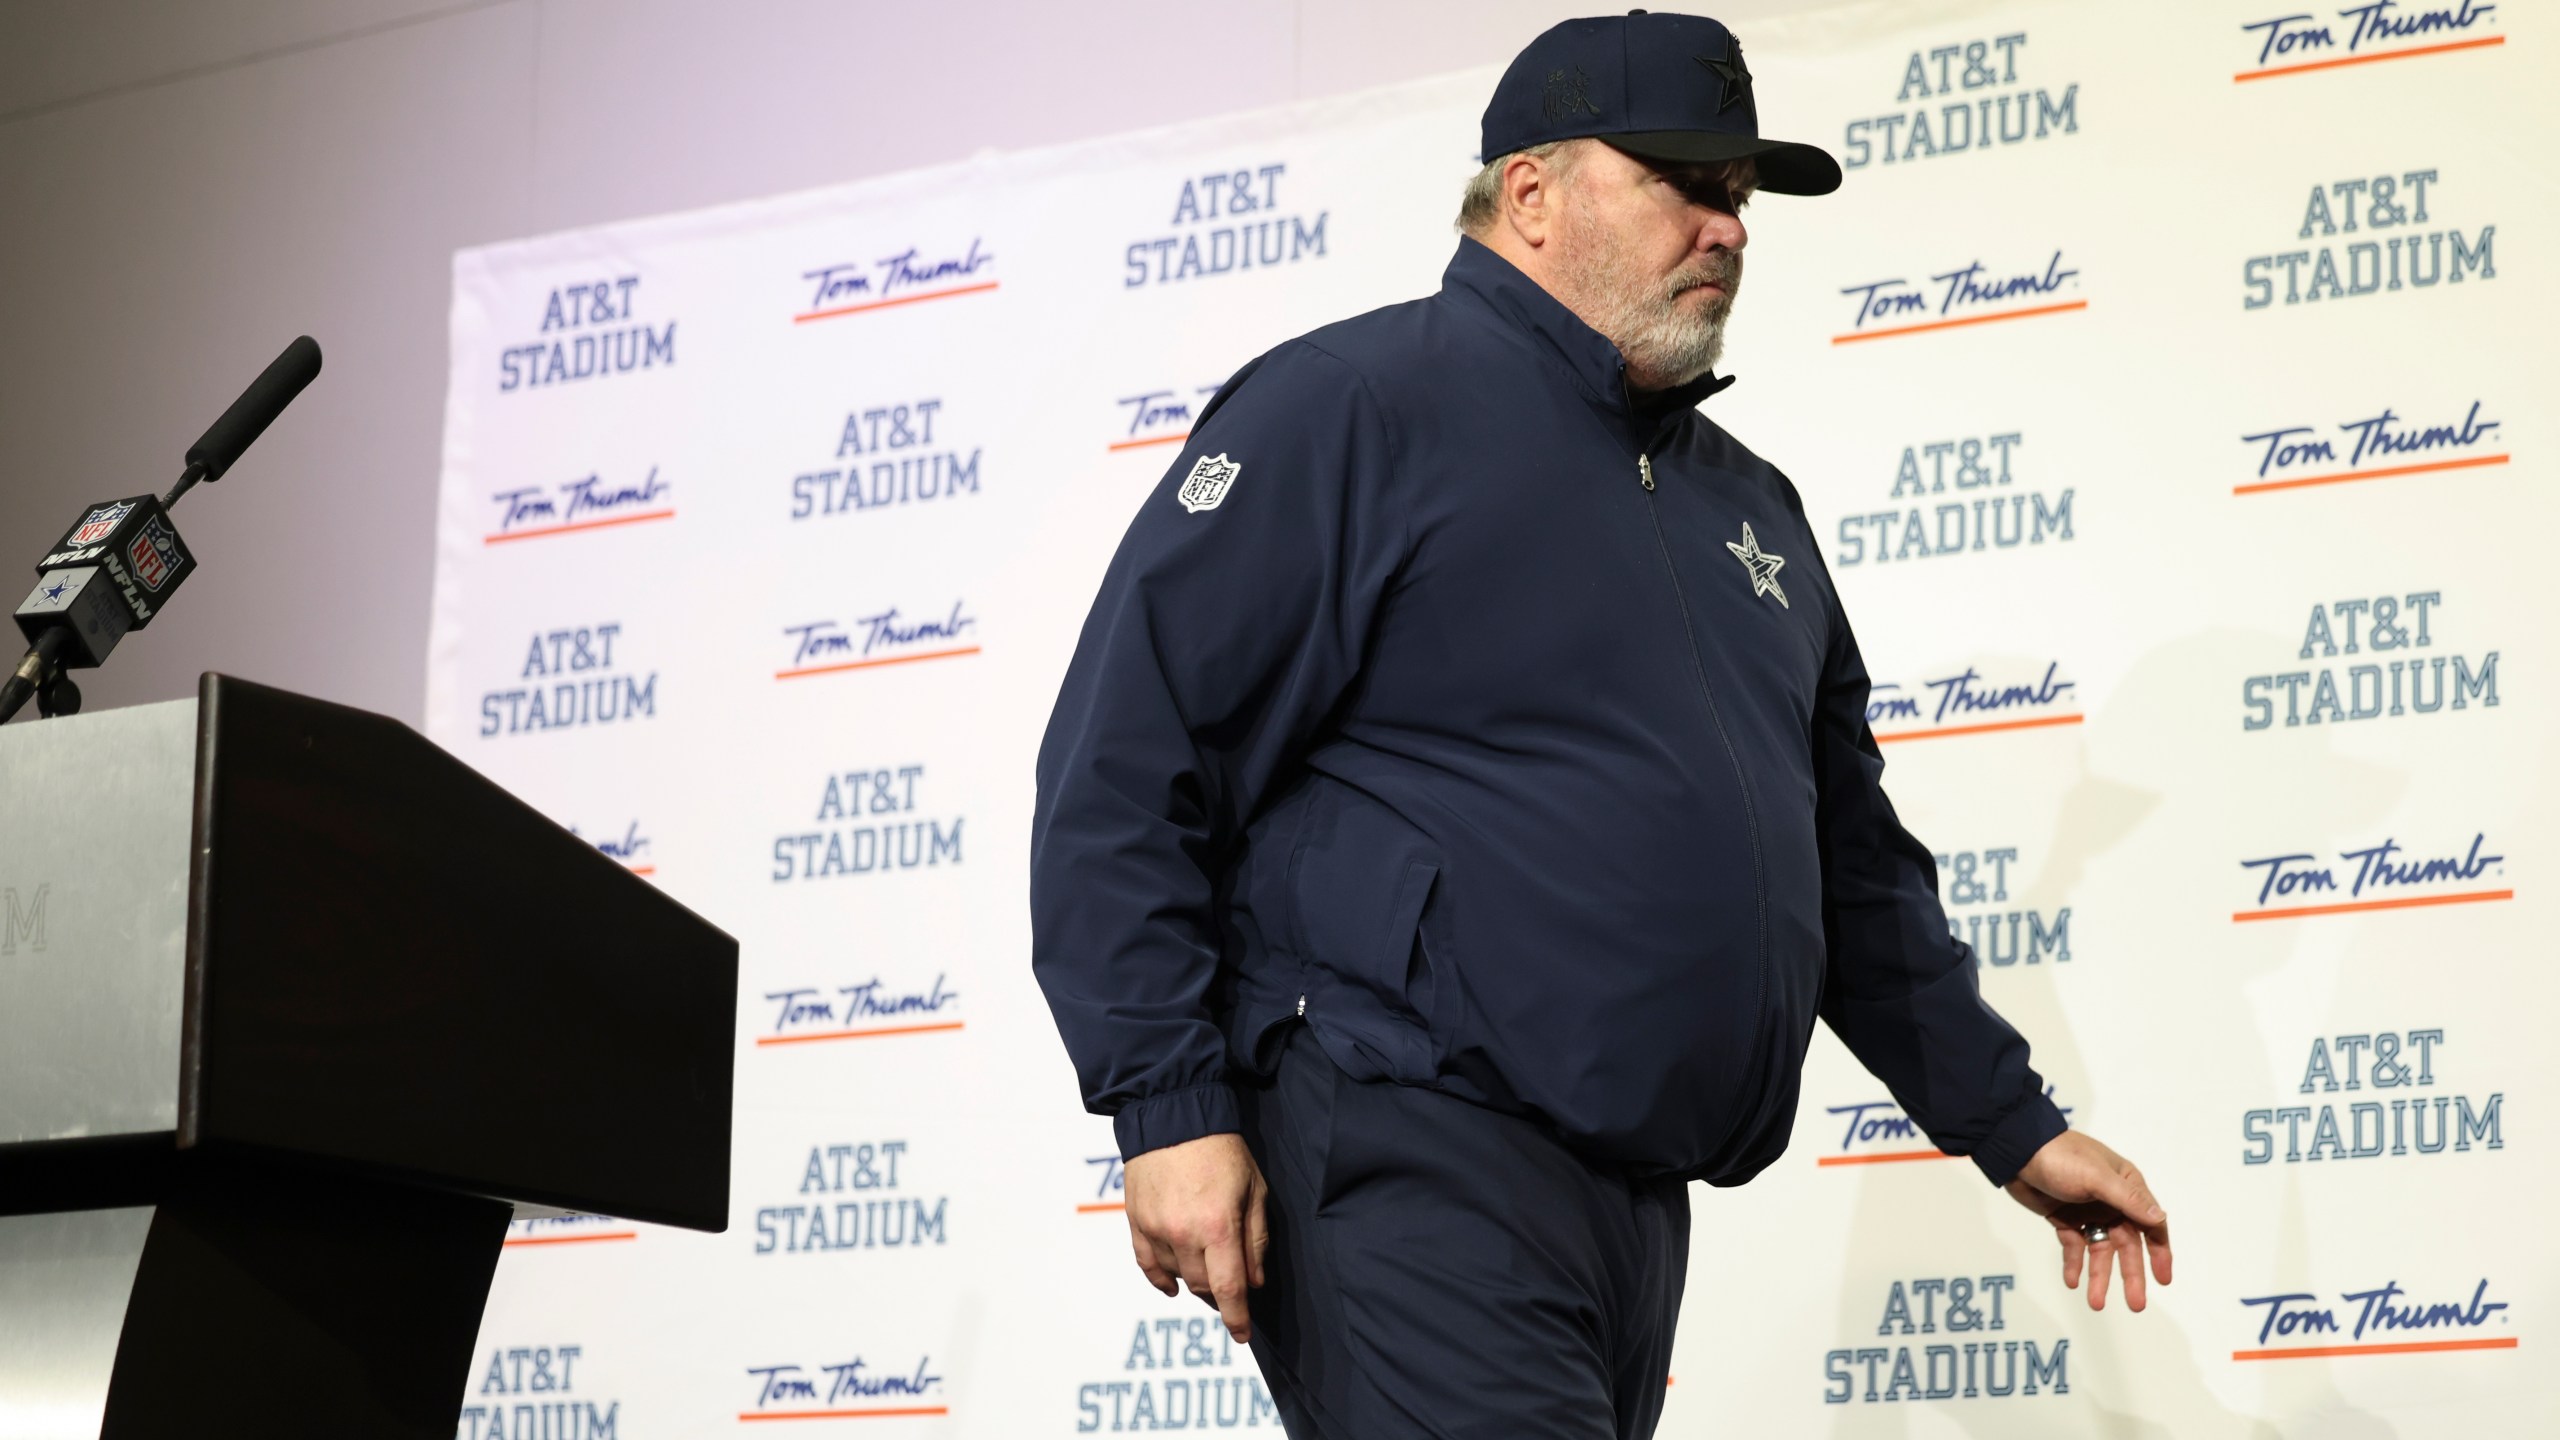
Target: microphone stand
[40, 676]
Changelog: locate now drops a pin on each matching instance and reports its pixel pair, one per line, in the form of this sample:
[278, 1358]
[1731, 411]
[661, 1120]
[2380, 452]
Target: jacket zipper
[1715, 715]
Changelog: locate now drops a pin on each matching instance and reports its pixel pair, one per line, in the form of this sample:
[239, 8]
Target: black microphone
[257, 408]
[116, 567]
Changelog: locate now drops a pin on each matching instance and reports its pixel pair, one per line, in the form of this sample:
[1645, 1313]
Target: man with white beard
[1461, 805]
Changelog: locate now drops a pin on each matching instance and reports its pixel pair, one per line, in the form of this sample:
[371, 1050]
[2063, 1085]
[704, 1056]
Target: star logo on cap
[1762, 565]
[1569, 93]
[1735, 75]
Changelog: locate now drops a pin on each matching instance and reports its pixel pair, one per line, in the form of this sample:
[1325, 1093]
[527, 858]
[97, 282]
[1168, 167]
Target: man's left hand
[2075, 1181]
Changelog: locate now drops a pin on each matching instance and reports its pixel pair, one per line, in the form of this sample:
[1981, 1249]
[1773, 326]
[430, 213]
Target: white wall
[187, 184]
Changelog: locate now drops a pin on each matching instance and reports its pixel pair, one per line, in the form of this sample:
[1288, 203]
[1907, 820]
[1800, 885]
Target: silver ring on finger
[2093, 1233]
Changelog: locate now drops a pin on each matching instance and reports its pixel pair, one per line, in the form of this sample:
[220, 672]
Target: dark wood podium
[296, 1012]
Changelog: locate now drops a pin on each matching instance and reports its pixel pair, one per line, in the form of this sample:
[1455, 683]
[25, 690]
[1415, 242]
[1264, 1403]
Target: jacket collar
[1478, 274]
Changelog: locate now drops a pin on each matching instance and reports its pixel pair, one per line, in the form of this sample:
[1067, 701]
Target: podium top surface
[271, 926]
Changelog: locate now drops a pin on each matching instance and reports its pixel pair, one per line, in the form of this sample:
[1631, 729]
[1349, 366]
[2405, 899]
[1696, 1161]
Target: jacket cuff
[2016, 1139]
[1175, 1117]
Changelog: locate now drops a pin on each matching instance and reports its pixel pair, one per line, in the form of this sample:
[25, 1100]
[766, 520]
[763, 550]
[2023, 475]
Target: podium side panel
[93, 920]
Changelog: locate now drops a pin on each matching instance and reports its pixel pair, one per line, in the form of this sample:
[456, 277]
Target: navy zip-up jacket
[1512, 735]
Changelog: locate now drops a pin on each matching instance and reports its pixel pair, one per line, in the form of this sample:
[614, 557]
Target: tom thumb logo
[2381, 1321]
[846, 1388]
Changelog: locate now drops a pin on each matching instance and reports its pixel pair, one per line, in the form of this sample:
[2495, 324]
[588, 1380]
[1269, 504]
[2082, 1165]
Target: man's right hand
[1195, 1216]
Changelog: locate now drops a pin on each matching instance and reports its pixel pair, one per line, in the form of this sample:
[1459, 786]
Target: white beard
[1664, 343]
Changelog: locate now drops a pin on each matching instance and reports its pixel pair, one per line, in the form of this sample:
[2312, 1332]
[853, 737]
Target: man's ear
[1529, 196]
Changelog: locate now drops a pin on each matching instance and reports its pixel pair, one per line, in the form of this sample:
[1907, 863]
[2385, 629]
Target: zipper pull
[1644, 470]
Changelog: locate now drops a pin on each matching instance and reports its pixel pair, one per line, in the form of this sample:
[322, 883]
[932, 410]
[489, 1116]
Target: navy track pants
[1439, 1269]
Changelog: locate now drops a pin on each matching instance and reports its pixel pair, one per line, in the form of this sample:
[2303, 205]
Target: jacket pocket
[1404, 953]
[1361, 893]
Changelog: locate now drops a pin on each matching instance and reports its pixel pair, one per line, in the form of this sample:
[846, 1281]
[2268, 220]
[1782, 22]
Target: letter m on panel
[25, 921]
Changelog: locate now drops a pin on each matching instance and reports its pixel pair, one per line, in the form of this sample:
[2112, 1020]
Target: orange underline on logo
[867, 664]
[2405, 1347]
[1099, 1206]
[2346, 475]
[573, 1239]
[644, 869]
[1966, 320]
[2405, 903]
[1982, 729]
[2414, 50]
[1881, 1159]
[885, 304]
[849, 1414]
[577, 525]
[859, 1034]
[1150, 440]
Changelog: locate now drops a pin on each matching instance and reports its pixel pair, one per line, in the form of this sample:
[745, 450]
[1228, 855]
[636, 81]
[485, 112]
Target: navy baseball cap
[1666, 87]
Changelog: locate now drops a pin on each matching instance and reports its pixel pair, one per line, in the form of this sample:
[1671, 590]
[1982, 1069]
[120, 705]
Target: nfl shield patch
[100, 523]
[1208, 483]
[154, 553]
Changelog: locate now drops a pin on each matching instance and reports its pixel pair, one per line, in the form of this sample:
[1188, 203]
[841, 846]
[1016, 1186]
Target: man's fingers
[2101, 1266]
[1257, 1232]
[2074, 1251]
[1225, 1264]
[1152, 1259]
[1192, 1264]
[2130, 1249]
[2158, 1236]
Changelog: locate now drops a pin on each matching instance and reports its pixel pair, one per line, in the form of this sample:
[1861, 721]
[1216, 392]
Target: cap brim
[1786, 167]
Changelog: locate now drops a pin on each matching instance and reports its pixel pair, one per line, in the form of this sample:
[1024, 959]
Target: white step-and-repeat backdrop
[2166, 380]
